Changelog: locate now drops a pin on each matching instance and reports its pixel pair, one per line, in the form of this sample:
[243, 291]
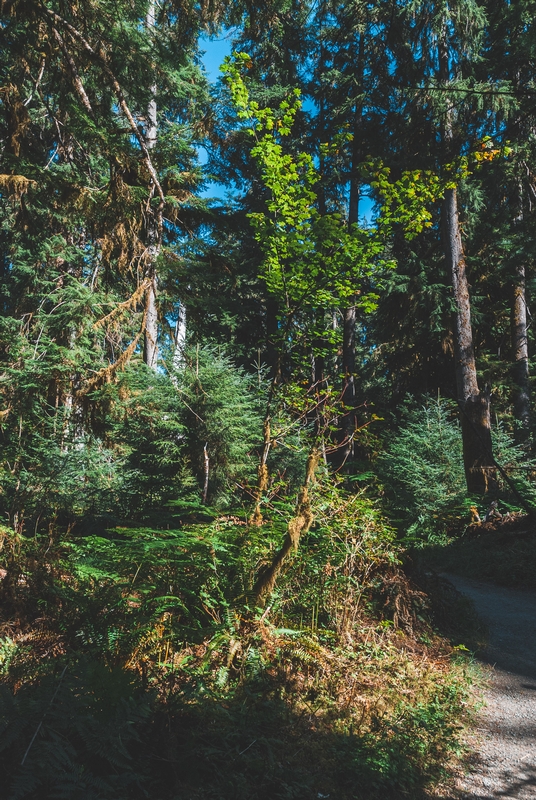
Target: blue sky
[215, 52]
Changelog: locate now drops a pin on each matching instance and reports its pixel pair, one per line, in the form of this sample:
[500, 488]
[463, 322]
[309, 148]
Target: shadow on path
[504, 761]
[510, 616]
[514, 787]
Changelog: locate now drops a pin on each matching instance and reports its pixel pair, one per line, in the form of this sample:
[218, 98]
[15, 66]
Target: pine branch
[78, 37]
[126, 305]
[77, 82]
[106, 373]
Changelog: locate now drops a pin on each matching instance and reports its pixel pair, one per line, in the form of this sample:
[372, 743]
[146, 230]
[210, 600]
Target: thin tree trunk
[150, 346]
[322, 134]
[262, 474]
[349, 314]
[180, 339]
[355, 179]
[318, 365]
[317, 360]
[348, 425]
[474, 404]
[206, 461]
[348, 369]
[150, 350]
[521, 356]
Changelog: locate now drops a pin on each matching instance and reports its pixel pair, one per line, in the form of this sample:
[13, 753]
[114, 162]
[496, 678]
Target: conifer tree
[444, 48]
[510, 50]
[84, 187]
[348, 41]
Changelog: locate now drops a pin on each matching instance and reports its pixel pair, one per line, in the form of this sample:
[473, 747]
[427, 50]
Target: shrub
[222, 416]
[422, 469]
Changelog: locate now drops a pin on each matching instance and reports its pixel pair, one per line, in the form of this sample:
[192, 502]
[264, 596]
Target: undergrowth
[134, 664]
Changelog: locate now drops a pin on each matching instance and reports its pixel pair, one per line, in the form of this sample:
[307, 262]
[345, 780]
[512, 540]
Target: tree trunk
[349, 314]
[150, 346]
[521, 356]
[180, 339]
[150, 350]
[348, 331]
[348, 369]
[474, 405]
[520, 344]
[263, 476]
[273, 350]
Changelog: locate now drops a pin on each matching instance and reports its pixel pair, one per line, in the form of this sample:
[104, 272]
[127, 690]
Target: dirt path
[504, 764]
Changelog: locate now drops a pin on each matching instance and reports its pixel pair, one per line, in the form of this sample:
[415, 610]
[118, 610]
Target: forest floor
[503, 740]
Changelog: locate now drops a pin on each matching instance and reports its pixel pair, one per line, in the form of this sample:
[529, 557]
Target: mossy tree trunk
[297, 527]
[153, 228]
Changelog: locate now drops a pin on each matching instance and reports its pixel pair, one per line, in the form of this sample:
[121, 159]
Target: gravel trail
[504, 740]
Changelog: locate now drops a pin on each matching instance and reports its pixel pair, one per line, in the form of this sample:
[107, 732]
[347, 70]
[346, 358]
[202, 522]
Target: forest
[265, 343]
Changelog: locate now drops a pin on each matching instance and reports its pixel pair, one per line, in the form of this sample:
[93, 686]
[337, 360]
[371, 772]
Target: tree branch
[297, 527]
[78, 85]
[78, 37]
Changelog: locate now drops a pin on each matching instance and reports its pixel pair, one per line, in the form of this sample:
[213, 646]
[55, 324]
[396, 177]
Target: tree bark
[206, 472]
[150, 350]
[349, 314]
[150, 345]
[480, 472]
[474, 404]
[348, 331]
[262, 473]
[520, 349]
[180, 339]
[348, 369]
[273, 354]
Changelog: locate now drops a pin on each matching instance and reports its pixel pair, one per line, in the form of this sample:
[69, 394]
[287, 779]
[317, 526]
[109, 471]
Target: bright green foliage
[133, 661]
[140, 579]
[342, 562]
[78, 191]
[138, 444]
[311, 259]
[422, 468]
[406, 202]
[50, 464]
[519, 467]
[144, 428]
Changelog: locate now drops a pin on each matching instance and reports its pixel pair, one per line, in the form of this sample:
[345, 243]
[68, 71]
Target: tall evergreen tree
[87, 193]
[434, 66]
